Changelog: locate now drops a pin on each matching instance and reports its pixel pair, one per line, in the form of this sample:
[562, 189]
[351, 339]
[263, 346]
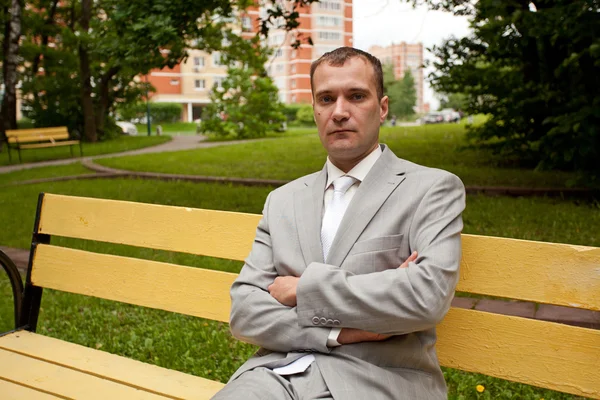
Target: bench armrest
[16, 282]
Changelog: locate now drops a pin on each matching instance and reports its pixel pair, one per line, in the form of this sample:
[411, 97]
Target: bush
[305, 116]
[25, 124]
[159, 112]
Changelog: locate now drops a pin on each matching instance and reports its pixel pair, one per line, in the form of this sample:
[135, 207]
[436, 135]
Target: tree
[402, 93]
[455, 101]
[247, 104]
[92, 52]
[533, 67]
[10, 51]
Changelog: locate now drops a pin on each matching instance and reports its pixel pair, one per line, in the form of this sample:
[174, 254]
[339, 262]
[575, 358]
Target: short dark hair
[338, 58]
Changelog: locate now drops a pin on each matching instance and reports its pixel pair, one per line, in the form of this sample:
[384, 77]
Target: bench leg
[19, 149]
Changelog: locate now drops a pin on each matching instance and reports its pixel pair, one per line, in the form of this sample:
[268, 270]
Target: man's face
[347, 111]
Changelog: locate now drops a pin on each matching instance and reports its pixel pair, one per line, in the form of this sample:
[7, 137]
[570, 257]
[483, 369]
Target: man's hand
[283, 289]
[351, 335]
[410, 258]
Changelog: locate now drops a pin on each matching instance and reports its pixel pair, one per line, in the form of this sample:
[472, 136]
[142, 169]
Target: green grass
[171, 128]
[46, 172]
[123, 143]
[205, 348]
[290, 157]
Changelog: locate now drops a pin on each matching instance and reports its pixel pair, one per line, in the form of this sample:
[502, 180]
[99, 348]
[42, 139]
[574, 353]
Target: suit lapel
[308, 207]
[380, 182]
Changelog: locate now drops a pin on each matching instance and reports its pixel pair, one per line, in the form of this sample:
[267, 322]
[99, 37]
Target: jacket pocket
[377, 244]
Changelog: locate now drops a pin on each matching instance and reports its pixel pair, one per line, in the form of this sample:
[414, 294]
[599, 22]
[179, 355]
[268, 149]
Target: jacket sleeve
[398, 300]
[256, 317]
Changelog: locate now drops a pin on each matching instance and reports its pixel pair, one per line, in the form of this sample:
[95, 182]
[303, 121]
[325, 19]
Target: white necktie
[334, 212]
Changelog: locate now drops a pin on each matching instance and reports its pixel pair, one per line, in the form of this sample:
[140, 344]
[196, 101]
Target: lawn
[46, 172]
[289, 157]
[123, 143]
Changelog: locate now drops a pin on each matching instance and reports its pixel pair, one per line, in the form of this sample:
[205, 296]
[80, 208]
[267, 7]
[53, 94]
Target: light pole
[147, 107]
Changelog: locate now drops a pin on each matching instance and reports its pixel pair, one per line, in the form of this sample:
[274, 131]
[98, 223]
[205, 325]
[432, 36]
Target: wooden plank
[39, 138]
[14, 391]
[134, 373]
[539, 353]
[204, 232]
[553, 273]
[64, 382]
[35, 131]
[51, 144]
[192, 291]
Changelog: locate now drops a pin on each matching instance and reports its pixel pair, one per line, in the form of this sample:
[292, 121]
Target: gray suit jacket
[400, 207]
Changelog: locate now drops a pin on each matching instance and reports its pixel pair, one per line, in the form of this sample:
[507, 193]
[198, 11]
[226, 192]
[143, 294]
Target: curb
[543, 312]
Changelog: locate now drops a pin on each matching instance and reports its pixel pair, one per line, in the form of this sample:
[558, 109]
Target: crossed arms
[276, 312]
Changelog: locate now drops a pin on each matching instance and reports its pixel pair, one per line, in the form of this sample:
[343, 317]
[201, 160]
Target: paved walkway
[184, 142]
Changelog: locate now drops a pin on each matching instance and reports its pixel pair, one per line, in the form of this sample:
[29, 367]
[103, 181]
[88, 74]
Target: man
[344, 286]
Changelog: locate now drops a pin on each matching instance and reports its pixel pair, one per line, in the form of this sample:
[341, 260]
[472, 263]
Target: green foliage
[455, 101]
[25, 124]
[159, 112]
[247, 104]
[291, 111]
[402, 93]
[305, 116]
[533, 67]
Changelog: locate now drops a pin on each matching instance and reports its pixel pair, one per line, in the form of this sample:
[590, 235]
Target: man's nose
[341, 113]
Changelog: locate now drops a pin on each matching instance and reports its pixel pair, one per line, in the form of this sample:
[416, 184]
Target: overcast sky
[383, 22]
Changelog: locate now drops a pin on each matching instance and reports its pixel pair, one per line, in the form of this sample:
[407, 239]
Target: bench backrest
[37, 134]
[539, 353]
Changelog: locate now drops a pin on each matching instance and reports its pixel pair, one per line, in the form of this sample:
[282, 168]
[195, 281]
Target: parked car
[128, 128]
[450, 115]
[433, 118]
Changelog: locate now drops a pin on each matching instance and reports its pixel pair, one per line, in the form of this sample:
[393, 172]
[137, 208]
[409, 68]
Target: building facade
[328, 23]
[403, 57]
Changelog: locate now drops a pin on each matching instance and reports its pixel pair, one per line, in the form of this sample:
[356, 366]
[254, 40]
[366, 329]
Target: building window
[293, 98]
[293, 69]
[279, 68]
[330, 5]
[293, 83]
[330, 35]
[198, 63]
[218, 82]
[278, 53]
[246, 24]
[217, 59]
[199, 84]
[174, 82]
[294, 53]
[329, 21]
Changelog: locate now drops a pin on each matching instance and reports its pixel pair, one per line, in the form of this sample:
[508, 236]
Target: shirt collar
[360, 170]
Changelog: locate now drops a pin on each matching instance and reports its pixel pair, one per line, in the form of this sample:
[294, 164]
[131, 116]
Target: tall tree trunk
[12, 33]
[87, 103]
[104, 97]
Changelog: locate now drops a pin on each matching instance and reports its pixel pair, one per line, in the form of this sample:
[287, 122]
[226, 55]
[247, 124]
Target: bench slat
[37, 138]
[49, 144]
[186, 290]
[554, 273]
[492, 266]
[64, 382]
[134, 373]
[36, 131]
[204, 232]
[13, 391]
[538, 353]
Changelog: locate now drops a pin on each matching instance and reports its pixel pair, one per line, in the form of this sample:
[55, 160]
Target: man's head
[348, 104]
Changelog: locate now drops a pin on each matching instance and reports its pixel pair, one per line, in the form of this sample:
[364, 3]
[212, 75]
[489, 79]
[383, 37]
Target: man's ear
[383, 108]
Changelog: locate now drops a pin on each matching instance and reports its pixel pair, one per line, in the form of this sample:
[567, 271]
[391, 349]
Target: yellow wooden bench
[540, 353]
[37, 138]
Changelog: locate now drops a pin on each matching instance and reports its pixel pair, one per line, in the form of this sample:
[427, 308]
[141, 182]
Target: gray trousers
[263, 384]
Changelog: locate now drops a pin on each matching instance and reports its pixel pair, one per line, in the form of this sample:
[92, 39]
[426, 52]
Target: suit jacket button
[323, 320]
[329, 322]
[315, 320]
[336, 322]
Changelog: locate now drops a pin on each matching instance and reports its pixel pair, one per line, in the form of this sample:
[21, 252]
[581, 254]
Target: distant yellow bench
[37, 138]
[545, 354]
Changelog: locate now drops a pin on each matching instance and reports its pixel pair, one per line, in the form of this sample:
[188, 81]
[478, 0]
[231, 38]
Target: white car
[128, 128]
[450, 115]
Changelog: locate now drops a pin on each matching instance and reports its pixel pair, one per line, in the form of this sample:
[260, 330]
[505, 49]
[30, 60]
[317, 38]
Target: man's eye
[326, 99]
[358, 96]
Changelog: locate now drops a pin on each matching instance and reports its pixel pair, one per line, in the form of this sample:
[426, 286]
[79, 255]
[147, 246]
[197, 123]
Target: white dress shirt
[359, 172]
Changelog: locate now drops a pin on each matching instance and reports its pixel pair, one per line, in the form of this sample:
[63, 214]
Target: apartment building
[405, 56]
[328, 23]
